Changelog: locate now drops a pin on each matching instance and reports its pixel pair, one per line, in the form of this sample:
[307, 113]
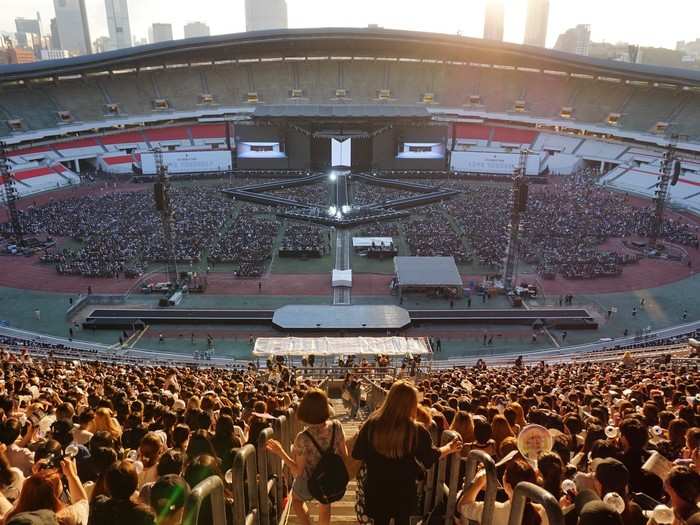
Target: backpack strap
[318, 447]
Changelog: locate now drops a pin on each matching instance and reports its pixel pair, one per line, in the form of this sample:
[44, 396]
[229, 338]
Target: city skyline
[445, 16]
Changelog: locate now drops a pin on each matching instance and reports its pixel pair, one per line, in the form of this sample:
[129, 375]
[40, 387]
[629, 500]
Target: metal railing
[472, 462]
[267, 484]
[375, 394]
[442, 490]
[529, 491]
[246, 505]
[431, 475]
[212, 488]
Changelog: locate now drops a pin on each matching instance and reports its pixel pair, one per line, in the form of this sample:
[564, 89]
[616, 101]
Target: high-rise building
[493, 22]
[536, 24]
[196, 29]
[160, 33]
[55, 39]
[28, 32]
[118, 23]
[72, 26]
[265, 14]
[576, 40]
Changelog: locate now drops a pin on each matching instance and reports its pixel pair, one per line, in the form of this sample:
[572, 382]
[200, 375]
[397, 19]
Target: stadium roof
[340, 111]
[344, 42]
[427, 271]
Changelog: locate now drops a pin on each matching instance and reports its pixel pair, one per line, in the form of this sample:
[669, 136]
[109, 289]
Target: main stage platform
[355, 318]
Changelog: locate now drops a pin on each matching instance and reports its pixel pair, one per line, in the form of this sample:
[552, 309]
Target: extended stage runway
[344, 318]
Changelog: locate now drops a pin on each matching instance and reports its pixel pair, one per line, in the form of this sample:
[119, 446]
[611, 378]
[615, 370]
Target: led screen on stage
[341, 152]
[421, 150]
[260, 150]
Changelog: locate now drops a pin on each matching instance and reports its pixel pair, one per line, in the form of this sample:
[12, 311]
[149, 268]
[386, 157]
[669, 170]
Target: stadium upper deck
[453, 77]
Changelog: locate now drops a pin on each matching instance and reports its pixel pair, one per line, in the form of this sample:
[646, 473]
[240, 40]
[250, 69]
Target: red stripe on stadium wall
[472, 131]
[209, 131]
[75, 144]
[173, 133]
[120, 159]
[123, 138]
[514, 136]
[32, 173]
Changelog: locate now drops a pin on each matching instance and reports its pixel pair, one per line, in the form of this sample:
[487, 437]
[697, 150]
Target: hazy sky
[645, 22]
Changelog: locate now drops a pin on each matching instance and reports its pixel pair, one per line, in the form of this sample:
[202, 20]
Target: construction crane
[519, 206]
[11, 197]
[161, 193]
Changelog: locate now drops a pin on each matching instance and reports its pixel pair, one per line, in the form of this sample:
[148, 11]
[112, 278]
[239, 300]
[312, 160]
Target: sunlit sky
[657, 23]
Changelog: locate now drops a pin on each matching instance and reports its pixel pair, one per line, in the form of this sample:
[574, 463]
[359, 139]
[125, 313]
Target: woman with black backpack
[317, 459]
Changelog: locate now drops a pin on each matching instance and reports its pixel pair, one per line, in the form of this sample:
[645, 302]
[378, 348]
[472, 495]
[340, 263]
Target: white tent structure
[334, 346]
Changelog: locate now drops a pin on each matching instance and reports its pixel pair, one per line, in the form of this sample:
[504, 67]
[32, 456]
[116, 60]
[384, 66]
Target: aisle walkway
[343, 511]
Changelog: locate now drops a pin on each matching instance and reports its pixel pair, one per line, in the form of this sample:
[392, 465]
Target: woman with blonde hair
[463, 424]
[392, 444]
[500, 430]
[105, 421]
[519, 414]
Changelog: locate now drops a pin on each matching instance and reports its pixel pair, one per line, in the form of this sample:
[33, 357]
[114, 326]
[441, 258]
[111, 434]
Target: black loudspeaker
[522, 197]
[159, 196]
[676, 172]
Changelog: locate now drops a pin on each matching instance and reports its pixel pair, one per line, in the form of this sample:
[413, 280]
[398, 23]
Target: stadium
[229, 225]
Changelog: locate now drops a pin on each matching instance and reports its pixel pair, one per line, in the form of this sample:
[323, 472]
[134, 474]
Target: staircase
[343, 511]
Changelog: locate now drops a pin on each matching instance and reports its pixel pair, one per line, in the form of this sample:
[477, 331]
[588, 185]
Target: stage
[355, 318]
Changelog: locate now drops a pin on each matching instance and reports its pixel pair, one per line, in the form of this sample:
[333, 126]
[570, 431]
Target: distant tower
[118, 23]
[160, 33]
[72, 26]
[493, 22]
[196, 30]
[536, 24]
[576, 40]
[265, 14]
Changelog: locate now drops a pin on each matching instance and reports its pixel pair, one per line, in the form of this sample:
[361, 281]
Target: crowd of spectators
[121, 232]
[363, 194]
[247, 244]
[564, 228]
[431, 235]
[304, 240]
[88, 443]
[565, 224]
[307, 194]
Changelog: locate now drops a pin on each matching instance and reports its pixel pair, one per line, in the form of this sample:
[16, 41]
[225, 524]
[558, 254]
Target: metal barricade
[245, 480]
[278, 467]
[441, 489]
[524, 491]
[431, 475]
[267, 485]
[473, 460]
[212, 488]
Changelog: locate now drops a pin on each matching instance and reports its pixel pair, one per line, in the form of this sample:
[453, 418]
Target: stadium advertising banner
[188, 162]
[492, 163]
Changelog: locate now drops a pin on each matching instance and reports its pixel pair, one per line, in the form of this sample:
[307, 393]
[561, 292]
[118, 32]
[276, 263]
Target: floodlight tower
[11, 196]
[668, 176]
[164, 207]
[519, 206]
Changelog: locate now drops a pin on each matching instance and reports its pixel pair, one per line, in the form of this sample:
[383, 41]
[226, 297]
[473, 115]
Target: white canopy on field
[327, 346]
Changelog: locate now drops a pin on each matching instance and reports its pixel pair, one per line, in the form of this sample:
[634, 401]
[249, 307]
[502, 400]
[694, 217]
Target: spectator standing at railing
[392, 444]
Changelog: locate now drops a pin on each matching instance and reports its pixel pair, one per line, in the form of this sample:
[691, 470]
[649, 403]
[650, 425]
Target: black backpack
[329, 478]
